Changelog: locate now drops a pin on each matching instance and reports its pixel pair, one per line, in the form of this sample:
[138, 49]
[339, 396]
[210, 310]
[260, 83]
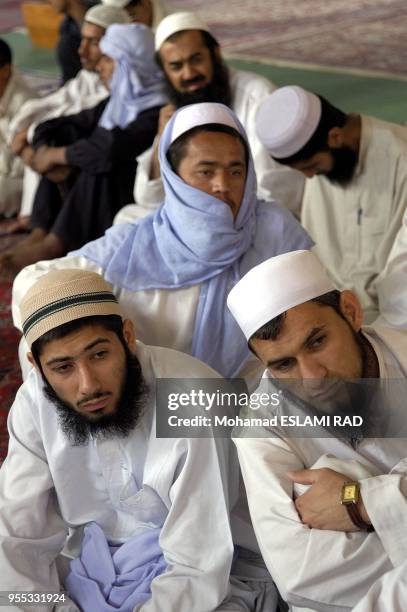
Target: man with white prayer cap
[149, 12]
[191, 59]
[354, 203]
[90, 498]
[173, 270]
[326, 548]
[84, 91]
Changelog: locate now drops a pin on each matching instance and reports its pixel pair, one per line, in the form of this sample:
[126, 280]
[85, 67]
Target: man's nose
[188, 72]
[220, 183]
[312, 370]
[83, 49]
[88, 381]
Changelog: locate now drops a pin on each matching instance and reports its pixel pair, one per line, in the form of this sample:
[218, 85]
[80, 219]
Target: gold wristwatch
[349, 497]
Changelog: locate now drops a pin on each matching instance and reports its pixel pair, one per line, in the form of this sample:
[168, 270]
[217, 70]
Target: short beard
[218, 90]
[130, 408]
[344, 163]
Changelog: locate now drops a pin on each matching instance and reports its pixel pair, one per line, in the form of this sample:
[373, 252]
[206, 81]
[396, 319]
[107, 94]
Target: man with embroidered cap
[149, 12]
[84, 91]
[86, 477]
[322, 554]
[354, 203]
[172, 270]
[195, 72]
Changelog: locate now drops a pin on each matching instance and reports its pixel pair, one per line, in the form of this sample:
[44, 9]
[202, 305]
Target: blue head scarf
[192, 239]
[137, 82]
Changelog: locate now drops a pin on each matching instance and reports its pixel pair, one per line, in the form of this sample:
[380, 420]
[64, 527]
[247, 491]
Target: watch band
[357, 519]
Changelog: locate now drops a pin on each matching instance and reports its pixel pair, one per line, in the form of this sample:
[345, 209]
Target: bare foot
[30, 251]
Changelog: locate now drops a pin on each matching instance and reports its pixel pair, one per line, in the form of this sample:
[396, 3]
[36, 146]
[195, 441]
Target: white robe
[274, 182]
[325, 570]
[355, 227]
[15, 96]
[50, 489]
[389, 594]
[84, 91]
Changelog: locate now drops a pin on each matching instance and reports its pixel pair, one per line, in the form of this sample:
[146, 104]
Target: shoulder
[167, 363]
[249, 85]
[391, 136]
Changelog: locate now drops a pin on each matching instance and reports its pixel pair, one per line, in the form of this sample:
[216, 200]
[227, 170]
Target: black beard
[133, 399]
[345, 161]
[218, 90]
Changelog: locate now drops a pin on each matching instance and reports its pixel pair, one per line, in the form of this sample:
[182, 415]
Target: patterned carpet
[367, 35]
[10, 377]
[10, 15]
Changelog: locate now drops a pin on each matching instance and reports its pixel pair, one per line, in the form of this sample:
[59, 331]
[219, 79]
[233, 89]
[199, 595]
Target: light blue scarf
[137, 82]
[192, 239]
[106, 578]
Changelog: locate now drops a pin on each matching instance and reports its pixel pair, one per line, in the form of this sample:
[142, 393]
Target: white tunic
[273, 180]
[387, 594]
[17, 92]
[48, 486]
[84, 91]
[355, 227]
[326, 570]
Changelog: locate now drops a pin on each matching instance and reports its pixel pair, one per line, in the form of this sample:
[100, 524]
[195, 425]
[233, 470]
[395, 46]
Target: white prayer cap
[177, 22]
[287, 119]
[203, 113]
[276, 285]
[116, 3]
[105, 16]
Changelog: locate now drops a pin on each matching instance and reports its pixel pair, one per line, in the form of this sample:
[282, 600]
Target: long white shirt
[389, 594]
[326, 570]
[355, 227]
[84, 91]
[273, 180]
[49, 487]
[17, 92]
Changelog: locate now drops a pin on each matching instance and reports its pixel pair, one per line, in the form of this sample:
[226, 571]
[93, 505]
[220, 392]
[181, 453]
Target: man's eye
[100, 354]
[237, 173]
[284, 366]
[317, 342]
[204, 172]
[175, 67]
[63, 369]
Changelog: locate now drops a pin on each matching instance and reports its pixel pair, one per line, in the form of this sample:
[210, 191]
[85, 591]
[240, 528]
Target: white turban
[105, 16]
[116, 3]
[276, 285]
[287, 119]
[201, 114]
[177, 22]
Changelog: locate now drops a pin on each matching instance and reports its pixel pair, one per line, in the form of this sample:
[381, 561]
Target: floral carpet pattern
[10, 376]
[367, 35]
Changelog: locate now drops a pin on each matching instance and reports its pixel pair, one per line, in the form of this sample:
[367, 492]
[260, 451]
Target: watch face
[350, 493]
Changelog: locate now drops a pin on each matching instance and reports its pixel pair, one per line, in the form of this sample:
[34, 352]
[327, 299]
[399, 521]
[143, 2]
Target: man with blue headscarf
[172, 270]
[88, 160]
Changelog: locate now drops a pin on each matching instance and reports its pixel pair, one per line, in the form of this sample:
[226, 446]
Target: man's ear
[335, 138]
[218, 53]
[129, 334]
[31, 359]
[351, 309]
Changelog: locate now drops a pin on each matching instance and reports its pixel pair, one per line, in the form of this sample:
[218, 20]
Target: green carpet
[383, 98]
[28, 57]
[380, 97]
